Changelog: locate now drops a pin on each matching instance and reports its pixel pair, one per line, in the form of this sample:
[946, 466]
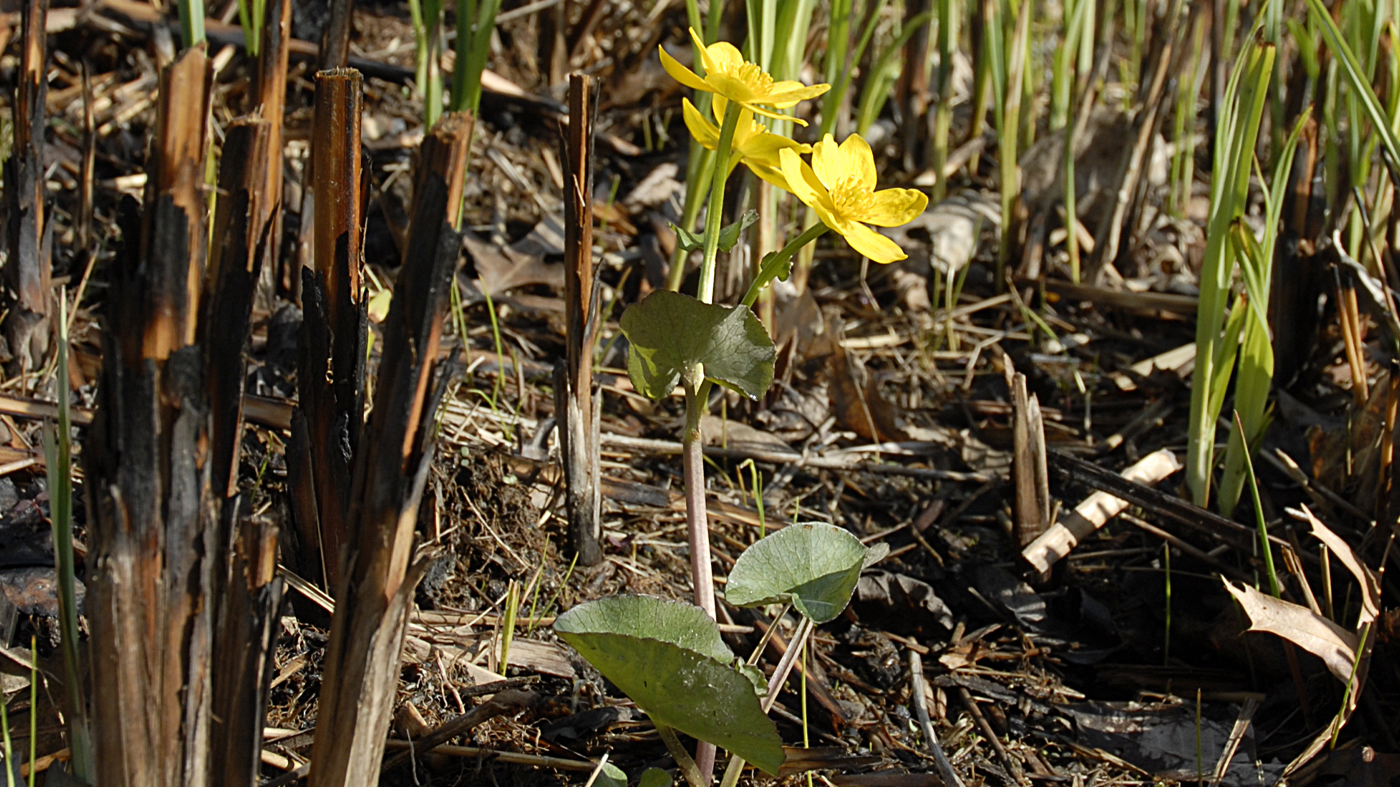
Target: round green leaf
[815, 566]
[610, 776]
[670, 659]
[655, 777]
[671, 333]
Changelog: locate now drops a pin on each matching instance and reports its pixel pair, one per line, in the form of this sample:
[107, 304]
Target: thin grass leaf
[58, 458]
[1356, 78]
[1256, 356]
[1236, 134]
[877, 89]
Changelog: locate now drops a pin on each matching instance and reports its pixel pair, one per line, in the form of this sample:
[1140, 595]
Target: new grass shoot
[58, 457]
[1237, 131]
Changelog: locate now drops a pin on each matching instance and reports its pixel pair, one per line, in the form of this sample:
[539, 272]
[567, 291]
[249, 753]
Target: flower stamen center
[850, 197]
[748, 73]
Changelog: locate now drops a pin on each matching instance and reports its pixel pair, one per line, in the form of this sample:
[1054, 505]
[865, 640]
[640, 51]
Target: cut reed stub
[241, 226]
[174, 238]
[391, 470]
[331, 360]
[576, 409]
[28, 271]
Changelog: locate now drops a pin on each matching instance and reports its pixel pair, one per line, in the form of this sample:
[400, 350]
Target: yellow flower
[754, 144]
[727, 74]
[840, 187]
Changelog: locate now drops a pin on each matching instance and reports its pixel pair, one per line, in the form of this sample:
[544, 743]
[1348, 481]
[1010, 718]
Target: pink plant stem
[693, 460]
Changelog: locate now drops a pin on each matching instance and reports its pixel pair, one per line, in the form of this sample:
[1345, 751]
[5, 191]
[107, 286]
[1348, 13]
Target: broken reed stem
[269, 101]
[246, 593]
[334, 328]
[391, 469]
[444, 155]
[240, 230]
[177, 178]
[29, 269]
[335, 42]
[578, 417]
[154, 551]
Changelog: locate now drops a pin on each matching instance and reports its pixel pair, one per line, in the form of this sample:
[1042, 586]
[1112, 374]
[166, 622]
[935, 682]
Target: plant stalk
[698, 525]
[771, 265]
[693, 458]
[714, 216]
[688, 767]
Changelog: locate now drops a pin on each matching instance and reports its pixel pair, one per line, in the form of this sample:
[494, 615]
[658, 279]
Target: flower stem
[774, 263]
[684, 763]
[696, 516]
[714, 216]
[697, 392]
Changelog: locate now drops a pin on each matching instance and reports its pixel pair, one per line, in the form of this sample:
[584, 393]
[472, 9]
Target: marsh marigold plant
[840, 186]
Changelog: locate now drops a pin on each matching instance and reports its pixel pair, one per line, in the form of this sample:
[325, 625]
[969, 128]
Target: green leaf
[671, 334]
[611, 776]
[670, 659]
[728, 236]
[815, 566]
[655, 777]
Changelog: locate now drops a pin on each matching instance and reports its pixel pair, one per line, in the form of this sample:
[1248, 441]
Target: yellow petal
[731, 87]
[768, 113]
[826, 162]
[790, 93]
[762, 148]
[893, 207]
[682, 74]
[721, 57]
[870, 243]
[771, 174]
[856, 158]
[701, 130]
[803, 182]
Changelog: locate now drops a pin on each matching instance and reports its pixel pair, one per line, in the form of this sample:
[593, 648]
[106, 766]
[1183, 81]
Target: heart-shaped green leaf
[671, 333]
[814, 566]
[670, 659]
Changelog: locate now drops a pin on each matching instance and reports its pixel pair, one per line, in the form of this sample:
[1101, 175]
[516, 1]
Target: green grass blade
[1237, 132]
[1256, 356]
[58, 454]
[1356, 79]
[475, 21]
[192, 23]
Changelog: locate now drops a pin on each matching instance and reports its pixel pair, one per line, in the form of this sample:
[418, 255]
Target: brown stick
[335, 42]
[575, 405]
[29, 269]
